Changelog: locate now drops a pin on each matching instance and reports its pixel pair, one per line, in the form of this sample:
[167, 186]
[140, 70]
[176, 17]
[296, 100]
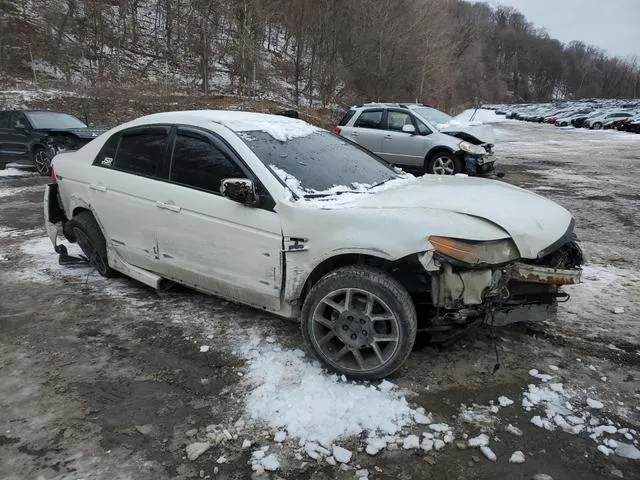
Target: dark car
[32, 137]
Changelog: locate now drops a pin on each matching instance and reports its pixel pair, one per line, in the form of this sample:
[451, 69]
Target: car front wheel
[444, 163]
[360, 322]
[597, 126]
[42, 161]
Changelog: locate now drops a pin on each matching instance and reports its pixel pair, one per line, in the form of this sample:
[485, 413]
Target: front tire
[444, 163]
[42, 161]
[87, 233]
[360, 322]
[596, 126]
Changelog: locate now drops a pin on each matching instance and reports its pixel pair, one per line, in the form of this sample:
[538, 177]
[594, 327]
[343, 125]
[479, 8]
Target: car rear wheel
[42, 161]
[444, 163]
[596, 126]
[87, 233]
[360, 322]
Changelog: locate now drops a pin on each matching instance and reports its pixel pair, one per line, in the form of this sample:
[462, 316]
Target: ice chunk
[386, 386]
[270, 463]
[374, 445]
[556, 387]
[280, 436]
[362, 474]
[427, 444]
[482, 439]
[204, 348]
[554, 368]
[246, 443]
[513, 430]
[541, 376]
[488, 453]
[517, 457]
[504, 401]
[439, 427]
[618, 310]
[628, 451]
[412, 441]
[194, 450]
[607, 451]
[596, 404]
[341, 455]
[438, 444]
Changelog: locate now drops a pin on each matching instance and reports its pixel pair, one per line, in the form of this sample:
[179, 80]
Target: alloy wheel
[444, 166]
[355, 330]
[42, 162]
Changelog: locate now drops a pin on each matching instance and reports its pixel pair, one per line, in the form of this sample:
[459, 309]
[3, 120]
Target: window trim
[267, 200]
[161, 166]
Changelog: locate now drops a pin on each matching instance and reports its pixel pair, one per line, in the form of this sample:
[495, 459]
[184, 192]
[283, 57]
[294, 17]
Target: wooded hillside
[311, 52]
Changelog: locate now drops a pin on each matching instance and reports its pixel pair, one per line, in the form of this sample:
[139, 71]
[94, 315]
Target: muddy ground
[103, 379]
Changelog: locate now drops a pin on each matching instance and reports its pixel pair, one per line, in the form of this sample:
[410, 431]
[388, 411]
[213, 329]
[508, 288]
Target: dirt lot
[106, 379]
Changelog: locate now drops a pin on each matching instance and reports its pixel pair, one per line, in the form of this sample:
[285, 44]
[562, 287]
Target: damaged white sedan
[275, 213]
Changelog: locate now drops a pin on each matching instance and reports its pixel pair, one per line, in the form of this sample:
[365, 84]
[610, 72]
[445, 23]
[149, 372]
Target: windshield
[53, 120]
[320, 162]
[432, 115]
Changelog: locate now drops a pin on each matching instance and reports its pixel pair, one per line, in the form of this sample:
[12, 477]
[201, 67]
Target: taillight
[337, 130]
[52, 176]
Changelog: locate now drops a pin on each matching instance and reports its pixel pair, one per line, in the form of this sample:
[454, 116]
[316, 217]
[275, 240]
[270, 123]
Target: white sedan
[275, 213]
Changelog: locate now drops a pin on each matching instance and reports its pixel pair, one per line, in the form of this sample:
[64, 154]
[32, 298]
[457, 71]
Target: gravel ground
[106, 379]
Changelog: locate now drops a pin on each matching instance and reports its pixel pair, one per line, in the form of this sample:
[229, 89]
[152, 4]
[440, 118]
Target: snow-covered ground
[253, 401]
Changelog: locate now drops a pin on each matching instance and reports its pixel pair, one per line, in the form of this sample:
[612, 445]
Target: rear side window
[198, 163]
[347, 116]
[143, 151]
[370, 119]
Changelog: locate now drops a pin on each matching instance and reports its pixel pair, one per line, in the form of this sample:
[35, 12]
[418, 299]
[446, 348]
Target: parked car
[406, 135]
[633, 125]
[567, 119]
[598, 122]
[32, 137]
[272, 212]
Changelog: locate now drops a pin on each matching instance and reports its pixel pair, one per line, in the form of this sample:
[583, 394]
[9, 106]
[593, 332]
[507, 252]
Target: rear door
[128, 176]
[209, 241]
[402, 148]
[367, 129]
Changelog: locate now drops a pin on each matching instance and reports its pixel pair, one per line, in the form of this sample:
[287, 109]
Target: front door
[209, 241]
[15, 136]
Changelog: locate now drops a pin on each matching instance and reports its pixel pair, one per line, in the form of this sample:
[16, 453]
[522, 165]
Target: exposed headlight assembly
[476, 253]
[471, 148]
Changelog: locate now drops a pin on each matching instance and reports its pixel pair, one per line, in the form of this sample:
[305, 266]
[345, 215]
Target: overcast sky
[613, 25]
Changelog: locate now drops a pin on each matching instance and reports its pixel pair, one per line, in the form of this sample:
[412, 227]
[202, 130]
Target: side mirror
[409, 129]
[91, 125]
[241, 190]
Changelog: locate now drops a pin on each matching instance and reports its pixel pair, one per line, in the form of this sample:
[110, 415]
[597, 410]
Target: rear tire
[87, 233]
[42, 161]
[596, 126]
[444, 163]
[360, 322]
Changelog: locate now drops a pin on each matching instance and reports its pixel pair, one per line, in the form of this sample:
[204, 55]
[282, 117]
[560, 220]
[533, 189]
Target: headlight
[476, 253]
[471, 148]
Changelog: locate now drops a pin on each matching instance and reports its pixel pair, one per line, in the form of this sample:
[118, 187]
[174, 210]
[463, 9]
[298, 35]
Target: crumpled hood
[84, 133]
[484, 133]
[533, 222]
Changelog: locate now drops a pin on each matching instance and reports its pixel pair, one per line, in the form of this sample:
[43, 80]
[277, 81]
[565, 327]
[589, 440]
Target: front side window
[396, 120]
[197, 163]
[370, 119]
[143, 151]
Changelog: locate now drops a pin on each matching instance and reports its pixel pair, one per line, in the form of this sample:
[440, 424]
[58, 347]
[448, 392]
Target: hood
[532, 221]
[479, 133]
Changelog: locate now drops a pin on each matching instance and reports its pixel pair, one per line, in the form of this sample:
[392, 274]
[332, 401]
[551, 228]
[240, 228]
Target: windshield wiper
[340, 192]
[381, 182]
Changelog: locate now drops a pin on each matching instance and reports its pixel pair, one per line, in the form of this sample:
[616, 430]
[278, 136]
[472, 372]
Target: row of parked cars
[595, 115]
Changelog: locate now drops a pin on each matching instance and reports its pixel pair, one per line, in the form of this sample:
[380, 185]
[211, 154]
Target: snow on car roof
[278, 126]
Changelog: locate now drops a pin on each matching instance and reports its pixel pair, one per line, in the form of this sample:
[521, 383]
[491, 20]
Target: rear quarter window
[108, 152]
[370, 119]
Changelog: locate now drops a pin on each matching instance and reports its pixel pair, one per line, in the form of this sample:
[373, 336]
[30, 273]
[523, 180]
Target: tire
[87, 233]
[444, 163]
[340, 331]
[3, 165]
[42, 161]
[596, 126]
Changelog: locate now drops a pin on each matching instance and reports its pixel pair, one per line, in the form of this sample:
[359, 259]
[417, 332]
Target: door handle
[354, 134]
[98, 188]
[388, 136]
[168, 206]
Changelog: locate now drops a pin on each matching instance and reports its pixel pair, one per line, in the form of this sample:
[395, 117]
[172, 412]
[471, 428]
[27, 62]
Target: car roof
[407, 105]
[279, 127]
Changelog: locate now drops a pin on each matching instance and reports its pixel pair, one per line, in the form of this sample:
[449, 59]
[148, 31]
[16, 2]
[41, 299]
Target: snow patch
[504, 401]
[16, 172]
[517, 457]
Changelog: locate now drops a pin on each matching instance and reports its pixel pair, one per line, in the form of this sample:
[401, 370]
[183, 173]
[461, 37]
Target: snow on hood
[533, 222]
[473, 123]
[281, 128]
